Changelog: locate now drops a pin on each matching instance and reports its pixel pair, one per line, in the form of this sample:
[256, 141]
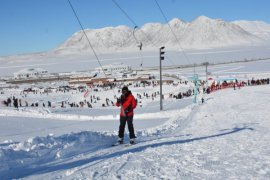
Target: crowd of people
[258, 82]
[90, 101]
[235, 84]
[15, 101]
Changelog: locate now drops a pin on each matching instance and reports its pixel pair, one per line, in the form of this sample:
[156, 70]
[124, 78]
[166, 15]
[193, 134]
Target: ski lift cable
[134, 29]
[124, 13]
[82, 28]
[130, 19]
[139, 44]
[178, 42]
[91, 46]
[135, 25]
[156, 46]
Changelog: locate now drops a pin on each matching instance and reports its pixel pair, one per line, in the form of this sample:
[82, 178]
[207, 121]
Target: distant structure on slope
[30, 73]
[114, 68]
[116, 72]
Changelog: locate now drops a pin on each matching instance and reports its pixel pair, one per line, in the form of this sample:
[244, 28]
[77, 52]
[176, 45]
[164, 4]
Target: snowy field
[224, 138]
[56, 63]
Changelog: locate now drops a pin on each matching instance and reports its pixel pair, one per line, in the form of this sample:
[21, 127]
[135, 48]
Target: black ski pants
[129, 120]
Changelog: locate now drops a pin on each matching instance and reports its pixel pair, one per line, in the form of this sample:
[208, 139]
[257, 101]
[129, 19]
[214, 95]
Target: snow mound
[179, 120]
[40, 151]
[38, 154]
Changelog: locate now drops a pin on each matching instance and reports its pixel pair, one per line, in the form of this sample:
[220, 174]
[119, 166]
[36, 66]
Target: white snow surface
[224, 138]
[203, 39]
[57, 63]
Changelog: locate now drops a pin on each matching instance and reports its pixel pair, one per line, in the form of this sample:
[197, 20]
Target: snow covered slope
[201, 33]
[204, 32]
[225, 138]
[258, 28]
[108, 38]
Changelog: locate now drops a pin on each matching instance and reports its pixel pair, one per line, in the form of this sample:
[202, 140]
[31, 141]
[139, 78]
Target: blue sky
[28, 26]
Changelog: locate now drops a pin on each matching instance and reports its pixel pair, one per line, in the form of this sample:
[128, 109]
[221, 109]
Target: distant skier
[128, 104]
[15, 103]
[49, 104]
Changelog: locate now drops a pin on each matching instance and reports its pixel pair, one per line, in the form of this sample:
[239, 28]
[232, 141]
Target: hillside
[201, 33]
[225, 138]
[258, 28]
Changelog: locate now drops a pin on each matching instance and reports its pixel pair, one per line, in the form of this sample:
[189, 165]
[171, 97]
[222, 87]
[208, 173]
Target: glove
[120, 100]
[127, 110]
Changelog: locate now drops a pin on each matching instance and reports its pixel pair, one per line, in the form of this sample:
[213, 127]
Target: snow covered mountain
[102, 39]
[258, 28]
[204, 32]
[201, 33]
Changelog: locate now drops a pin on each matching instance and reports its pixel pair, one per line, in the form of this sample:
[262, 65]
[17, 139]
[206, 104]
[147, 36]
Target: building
[114, 68]
[30, 73]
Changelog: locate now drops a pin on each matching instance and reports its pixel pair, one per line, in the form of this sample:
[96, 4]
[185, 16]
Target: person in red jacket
[127, 103]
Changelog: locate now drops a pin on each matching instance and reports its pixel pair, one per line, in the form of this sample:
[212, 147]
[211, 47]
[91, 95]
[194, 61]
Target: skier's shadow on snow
[24, 172]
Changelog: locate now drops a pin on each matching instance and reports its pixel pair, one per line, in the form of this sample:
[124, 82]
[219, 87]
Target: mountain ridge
[258, 28]
[201, 33]
[152, 35]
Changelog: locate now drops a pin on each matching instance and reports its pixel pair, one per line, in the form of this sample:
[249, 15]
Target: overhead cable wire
[124, 12]
[135, 25]
[82, 28]
[139, 45]
[131, 20]
[176, 39]
[178, 42]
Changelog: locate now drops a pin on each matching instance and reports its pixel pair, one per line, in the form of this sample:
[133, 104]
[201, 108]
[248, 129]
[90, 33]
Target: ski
[128, 145]
[117, 144]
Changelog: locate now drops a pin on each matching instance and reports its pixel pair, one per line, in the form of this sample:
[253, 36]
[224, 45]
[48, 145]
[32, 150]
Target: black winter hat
[125, 88]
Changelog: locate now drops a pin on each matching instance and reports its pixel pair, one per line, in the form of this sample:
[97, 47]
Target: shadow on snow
[35, 170]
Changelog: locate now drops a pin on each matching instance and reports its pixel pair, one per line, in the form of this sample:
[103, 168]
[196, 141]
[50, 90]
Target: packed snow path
[225, 138]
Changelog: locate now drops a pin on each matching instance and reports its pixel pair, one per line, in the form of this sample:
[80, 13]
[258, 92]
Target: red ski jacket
[128, 104]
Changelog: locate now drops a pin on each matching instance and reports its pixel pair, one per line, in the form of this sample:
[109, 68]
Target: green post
[196, 87]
